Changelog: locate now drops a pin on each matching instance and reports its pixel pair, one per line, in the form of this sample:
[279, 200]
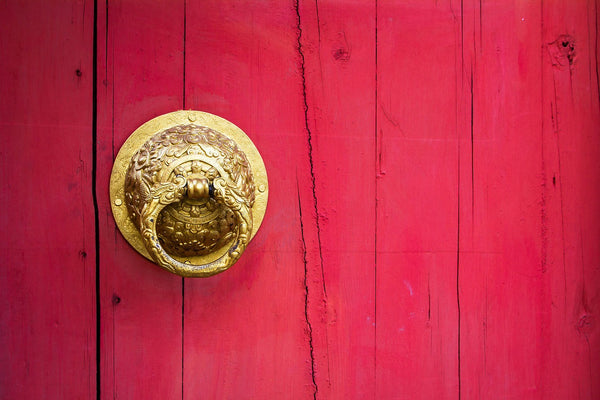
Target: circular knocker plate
[188, 191]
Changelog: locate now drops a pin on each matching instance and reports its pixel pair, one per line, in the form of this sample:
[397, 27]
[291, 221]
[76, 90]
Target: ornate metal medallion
[189, 191]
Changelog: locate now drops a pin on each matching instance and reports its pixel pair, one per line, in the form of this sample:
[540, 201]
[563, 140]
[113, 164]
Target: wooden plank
[571, 175]
[502, 286]
[338, 50]
[530, 209]
[47, 296]
[140, 76]
[245, 330]
[418, 110]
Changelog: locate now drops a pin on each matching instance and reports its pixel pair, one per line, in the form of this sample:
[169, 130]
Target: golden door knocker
[188, 191]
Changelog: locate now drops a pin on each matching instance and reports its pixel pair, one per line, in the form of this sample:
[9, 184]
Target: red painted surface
[139, 74]
[433, 228]
[419, 96]
[245, 331]
[47, 306]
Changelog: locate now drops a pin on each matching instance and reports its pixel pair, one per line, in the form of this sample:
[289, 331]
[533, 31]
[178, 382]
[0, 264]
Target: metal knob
[189, 191]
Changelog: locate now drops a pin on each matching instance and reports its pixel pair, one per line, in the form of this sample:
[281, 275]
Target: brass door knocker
[188, 191]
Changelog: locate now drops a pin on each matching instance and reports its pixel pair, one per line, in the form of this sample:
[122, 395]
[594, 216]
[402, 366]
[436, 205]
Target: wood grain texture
[433, 227]
[502, 291]
[571, 176]
[418, 114]
[526, 287]
[47, 307]
[140, 76]
[245, 331]
[337, 47]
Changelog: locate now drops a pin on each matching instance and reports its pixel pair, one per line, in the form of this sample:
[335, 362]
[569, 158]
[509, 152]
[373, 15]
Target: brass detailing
[198, 188]
[190, 190]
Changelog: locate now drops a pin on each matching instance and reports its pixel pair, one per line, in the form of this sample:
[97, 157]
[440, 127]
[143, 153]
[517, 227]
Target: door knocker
[188, 191]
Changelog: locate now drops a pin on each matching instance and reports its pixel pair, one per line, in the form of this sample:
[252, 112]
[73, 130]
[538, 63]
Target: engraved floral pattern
[172, 224]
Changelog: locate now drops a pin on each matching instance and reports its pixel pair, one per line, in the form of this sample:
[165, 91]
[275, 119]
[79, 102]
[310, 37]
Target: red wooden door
[433, 227]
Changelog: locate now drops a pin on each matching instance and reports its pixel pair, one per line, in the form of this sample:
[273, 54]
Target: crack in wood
[306, 290]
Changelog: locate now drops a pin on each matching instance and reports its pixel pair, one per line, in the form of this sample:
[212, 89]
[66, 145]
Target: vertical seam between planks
[94, 189]
[544, 217]
[458, 212]
[556, 128]
[377, 168]
[113, 154]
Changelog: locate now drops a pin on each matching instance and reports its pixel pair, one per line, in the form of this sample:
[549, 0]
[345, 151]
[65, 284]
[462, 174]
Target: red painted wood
[47, 308]
[433, 225]
[245, 331]
[530, 212]
[338, 46]
[502, 287]
[140, 76]
[418, 91]
[571, 176]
